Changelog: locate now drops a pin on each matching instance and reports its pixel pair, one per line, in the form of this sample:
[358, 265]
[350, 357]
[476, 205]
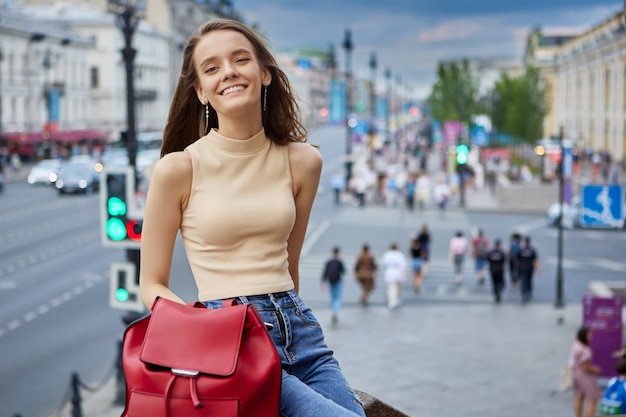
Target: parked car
[77, 177]
[44, 172]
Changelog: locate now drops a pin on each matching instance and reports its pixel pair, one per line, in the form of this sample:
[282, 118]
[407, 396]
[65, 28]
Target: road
[54, 313]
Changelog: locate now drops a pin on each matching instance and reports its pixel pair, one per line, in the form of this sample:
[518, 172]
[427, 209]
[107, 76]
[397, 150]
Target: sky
[410, 37]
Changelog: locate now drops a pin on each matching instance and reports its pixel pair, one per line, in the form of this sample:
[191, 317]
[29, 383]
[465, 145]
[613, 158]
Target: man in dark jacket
[496, 258]
[528, 262]
[333, 272]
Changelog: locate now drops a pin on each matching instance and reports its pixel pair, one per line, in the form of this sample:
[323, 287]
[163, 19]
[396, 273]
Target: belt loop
[244, 299]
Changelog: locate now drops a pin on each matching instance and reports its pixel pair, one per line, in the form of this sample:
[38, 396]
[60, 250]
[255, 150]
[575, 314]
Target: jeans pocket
[306, 315]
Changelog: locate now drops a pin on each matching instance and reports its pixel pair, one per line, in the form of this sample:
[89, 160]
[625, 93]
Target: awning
[72, 136]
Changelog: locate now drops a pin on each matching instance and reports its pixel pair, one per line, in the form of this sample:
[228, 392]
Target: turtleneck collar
[238, 146]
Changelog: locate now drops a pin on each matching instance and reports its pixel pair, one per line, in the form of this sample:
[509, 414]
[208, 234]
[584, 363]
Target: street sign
[602, 206]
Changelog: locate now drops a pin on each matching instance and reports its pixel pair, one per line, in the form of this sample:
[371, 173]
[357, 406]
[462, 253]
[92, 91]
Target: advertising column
[603, 315]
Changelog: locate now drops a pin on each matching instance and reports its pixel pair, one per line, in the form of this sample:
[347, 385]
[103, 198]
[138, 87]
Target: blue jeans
[335, 296]
[313, 383]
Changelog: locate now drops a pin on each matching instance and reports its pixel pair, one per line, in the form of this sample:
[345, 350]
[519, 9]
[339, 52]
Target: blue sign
[602, 206]
[337, 102]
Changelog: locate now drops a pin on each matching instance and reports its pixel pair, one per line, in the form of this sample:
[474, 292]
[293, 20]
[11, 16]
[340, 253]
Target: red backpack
[187, 360]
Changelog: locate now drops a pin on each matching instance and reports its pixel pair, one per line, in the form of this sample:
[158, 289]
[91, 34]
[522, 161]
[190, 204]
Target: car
[77, 178]
[44, 172]
[571, 214]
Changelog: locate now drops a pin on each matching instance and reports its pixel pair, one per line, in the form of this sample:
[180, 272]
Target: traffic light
[120, 225]
[462, 150]
[124, 287]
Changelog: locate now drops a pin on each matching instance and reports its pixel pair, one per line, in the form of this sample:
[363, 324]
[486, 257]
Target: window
[94, 79]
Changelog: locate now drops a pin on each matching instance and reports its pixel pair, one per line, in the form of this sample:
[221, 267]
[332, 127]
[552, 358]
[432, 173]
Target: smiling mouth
[233, 89]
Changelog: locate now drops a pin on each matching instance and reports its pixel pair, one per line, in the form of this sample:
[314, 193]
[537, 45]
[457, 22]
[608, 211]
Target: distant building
[589, 98]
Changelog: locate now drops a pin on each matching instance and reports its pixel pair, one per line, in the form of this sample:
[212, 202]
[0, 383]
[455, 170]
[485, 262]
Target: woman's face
[229, 74]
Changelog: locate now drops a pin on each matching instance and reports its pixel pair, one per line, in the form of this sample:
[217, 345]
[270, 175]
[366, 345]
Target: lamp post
[127, 16]
[559, 266]
[388, 105]
[373, 66]
[347, 46]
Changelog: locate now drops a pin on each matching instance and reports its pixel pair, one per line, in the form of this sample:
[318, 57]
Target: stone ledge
[376, 408]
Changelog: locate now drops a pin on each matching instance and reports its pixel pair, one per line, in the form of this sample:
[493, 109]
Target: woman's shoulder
[301, 152]
[173, 168]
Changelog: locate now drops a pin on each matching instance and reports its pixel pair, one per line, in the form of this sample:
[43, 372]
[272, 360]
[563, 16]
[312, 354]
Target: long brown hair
[186, 119]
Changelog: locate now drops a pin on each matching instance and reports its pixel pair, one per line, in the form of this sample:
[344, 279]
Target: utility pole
[348, 46]
[559, 266]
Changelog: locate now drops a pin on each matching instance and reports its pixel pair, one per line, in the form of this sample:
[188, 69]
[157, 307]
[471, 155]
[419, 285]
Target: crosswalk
[437, 285]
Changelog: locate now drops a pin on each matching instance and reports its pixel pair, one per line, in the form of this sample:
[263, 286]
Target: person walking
[424, 238]
[496, 259]
[365, 271]
[480, 247]
[417, 258]
[394, 265]
[456, 253]
[584, 374]
[528, 261]
[338, 184]
[237, 181]
[332, 276]
[514, 247]
[441, 194]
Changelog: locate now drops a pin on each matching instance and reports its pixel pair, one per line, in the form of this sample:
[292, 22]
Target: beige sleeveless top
[240, 213]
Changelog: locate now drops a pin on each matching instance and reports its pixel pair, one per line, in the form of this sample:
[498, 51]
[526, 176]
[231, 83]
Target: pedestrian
[441, 194]
[338, 184]
[514, 247]
[458, 248]
[241, 196]
[480, 247]
[417, 258]
[394, 265]
[584, 374]
[409, 193]
[496, 259]
[424, 237]
[613, 401]
[528, 261]
[365, 271]
[333, 274]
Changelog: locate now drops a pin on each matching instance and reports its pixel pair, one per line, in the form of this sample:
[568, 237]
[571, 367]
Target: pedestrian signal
[120, 226]
[462, 151]
[124, 287]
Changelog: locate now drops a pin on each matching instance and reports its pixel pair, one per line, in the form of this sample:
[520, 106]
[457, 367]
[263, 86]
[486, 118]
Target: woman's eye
[208, 70]
[243, 59]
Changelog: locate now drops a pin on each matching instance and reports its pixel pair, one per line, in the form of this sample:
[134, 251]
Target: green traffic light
[121, 294]
[116, 230]
[461, 154]
[116, 206]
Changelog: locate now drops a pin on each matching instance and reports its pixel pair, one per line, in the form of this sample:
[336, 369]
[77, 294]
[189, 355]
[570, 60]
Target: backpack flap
[194, 339]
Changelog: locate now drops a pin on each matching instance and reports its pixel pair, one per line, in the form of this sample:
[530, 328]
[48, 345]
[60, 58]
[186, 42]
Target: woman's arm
[167, 196]
[306, 169]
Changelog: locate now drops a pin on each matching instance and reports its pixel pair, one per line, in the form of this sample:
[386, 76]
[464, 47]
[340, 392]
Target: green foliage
[520, 105]
[455, 93]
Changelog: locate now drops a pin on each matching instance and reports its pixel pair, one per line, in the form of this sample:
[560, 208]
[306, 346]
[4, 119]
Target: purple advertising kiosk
[603, 315]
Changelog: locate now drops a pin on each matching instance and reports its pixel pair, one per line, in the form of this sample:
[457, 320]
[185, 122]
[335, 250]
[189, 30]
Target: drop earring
[206, 117]
[265, 98]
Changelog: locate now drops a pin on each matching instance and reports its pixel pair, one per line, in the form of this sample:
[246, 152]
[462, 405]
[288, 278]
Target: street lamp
[347, 46]
[388, 106]
[559, 303]
[373, 66]
[127, 16]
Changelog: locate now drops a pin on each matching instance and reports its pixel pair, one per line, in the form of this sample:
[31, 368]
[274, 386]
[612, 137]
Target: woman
[585, 374]
[458, 248]
[364, 270]
[417, 259]
[424, 238]
[394, 268]
[238, 181]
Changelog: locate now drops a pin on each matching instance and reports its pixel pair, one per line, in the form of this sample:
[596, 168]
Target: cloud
[449, 30]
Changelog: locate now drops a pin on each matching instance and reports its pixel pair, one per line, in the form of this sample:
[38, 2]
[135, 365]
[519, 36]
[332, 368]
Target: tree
[521, 105]
[455, 93]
